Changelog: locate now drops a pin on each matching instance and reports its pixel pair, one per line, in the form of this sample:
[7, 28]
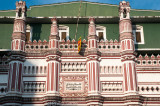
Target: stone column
[53, 57]
[93, 66]
[17, 56]
[15, 73]
[128, 55]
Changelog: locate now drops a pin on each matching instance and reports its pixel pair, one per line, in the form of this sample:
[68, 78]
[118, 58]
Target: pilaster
[53, 57]
[17, 55]
[16, 65]
[128, 54]
[93, 66]
[53, 75]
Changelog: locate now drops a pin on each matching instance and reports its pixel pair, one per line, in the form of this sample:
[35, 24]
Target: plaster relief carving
[73, 86]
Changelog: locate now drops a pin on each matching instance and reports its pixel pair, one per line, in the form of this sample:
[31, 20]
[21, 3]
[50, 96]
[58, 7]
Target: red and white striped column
[92, 37]
[18, 36]
[93, 78]
[54, 38]
[93, 65]
[15, 77]
[53, 78]
[129, 69]
[130, 77]
[127, 50]
[53, 60]
[18, 44]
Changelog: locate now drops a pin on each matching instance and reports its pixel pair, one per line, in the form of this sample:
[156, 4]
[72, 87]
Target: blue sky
[135, 4]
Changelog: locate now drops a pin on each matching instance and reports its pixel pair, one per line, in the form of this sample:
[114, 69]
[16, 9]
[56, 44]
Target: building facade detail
[105, 72]
[17, 57]
[128, 55]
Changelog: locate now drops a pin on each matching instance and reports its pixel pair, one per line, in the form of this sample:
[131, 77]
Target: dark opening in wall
[100, 36]
[125, 13]
[138, 37]
[64, 35]
[20, 13]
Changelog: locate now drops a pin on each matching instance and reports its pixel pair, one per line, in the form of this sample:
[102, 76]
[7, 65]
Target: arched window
[138, 34]
[125, 13]
[101, 32]
[20, 13]
[17, 43]
[64, 32]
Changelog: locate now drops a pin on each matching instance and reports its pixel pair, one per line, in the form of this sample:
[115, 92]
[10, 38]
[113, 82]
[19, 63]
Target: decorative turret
[54, 38]
[21, 10]
[92, 37]
[124, 10]
[19, 30]
[93, 65]
[125, 27]
[128, 53]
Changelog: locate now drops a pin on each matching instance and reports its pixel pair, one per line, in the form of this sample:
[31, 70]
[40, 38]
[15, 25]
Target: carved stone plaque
[74, 86]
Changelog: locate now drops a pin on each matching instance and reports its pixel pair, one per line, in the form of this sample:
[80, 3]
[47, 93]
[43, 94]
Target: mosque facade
[118, 63]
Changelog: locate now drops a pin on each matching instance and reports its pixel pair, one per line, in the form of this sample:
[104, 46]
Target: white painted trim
[66, 30]
[5, 49]
[104, 17]
[141, 33]
[103, 29]
[143, 49]
[7, 17]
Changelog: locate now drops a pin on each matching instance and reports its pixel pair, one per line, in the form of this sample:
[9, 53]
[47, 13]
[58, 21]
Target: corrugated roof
[71, 9]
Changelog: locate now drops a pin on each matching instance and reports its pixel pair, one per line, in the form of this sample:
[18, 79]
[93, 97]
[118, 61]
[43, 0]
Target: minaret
[19, 30]
[53, 59]
[93, 65]
[17, 54]
[54, 38]
[128, 52]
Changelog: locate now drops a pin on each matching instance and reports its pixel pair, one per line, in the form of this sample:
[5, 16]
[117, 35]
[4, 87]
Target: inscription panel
[74, 86]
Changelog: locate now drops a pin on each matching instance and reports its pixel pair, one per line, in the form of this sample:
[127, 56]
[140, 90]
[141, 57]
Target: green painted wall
[5, 36]
[112, 31]
[42, 31]
[82, 31]
[151, 35]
